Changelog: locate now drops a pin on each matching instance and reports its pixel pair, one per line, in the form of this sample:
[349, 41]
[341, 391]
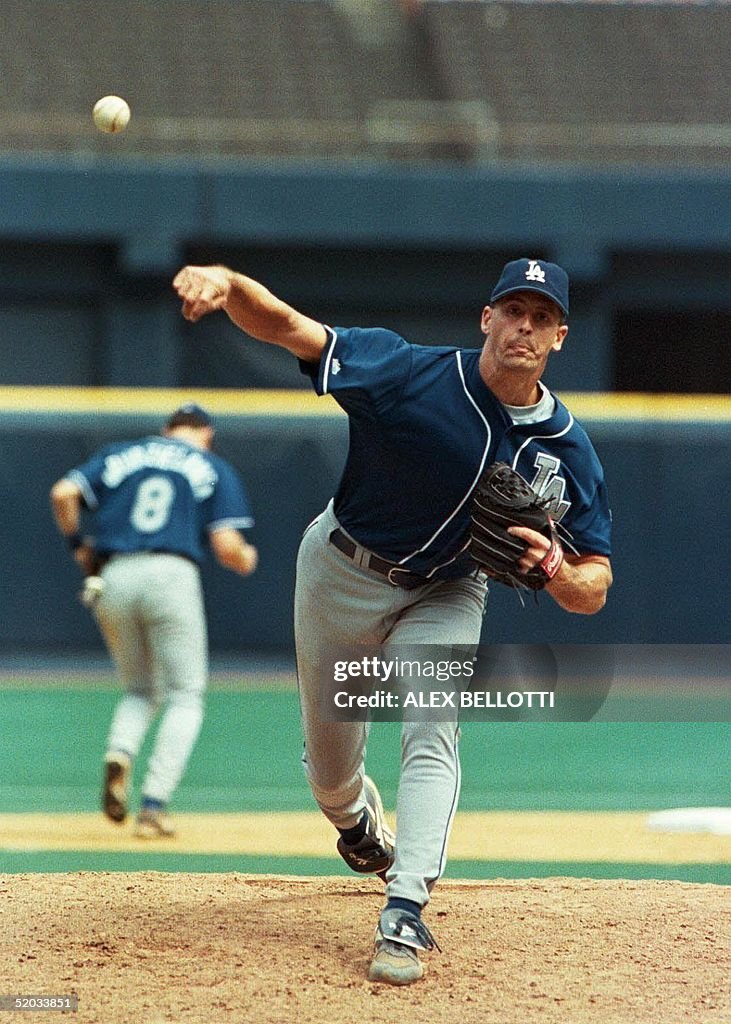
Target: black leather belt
[394, 573]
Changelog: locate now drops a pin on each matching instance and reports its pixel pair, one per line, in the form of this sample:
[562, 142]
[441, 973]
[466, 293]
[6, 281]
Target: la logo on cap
[535, 272]
[534, 276]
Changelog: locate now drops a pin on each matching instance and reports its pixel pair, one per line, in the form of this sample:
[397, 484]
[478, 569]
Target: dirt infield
[150, 947]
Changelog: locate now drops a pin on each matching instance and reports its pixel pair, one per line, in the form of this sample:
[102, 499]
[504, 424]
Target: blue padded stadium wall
[669, 576]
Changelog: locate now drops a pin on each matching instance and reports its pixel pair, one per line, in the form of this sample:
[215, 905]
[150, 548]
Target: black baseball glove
[501, 499]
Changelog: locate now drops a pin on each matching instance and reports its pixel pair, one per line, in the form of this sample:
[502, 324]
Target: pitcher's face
[521, 330]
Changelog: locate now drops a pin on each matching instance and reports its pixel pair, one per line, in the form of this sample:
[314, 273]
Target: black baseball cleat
[115, 793]
[373, 854]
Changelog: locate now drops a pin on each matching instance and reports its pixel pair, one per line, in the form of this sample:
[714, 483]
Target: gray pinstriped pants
[337, 602]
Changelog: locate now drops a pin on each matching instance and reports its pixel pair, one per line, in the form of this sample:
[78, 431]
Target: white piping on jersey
[546, 437]
[328, 358]
[85, 487]
[472, 485]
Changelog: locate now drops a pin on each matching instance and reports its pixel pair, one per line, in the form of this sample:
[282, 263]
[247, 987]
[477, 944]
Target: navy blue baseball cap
[190, 415]
[526, 275]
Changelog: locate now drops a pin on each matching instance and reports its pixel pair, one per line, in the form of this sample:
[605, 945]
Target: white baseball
[111, 114]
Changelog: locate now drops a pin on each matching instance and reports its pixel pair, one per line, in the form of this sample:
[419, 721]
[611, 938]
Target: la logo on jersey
[550, 486]
[535, 272]
[335, 367]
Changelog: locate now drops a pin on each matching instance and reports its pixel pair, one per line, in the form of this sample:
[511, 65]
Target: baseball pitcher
[402, 555]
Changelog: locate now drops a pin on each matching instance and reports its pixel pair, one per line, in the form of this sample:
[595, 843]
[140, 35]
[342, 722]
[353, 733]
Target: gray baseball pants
[152, 617]
[339, 603]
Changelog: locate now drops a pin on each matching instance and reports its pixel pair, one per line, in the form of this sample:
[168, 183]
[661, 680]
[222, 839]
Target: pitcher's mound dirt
[150, 947]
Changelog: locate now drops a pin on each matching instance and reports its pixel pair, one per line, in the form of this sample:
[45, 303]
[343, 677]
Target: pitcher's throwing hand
[203, 290]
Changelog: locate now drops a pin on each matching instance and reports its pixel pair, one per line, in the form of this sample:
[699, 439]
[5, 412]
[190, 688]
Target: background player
[157, 504]
[386, 562]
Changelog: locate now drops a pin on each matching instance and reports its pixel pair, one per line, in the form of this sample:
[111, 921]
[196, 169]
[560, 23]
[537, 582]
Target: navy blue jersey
[423, 426]
[160, 494]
